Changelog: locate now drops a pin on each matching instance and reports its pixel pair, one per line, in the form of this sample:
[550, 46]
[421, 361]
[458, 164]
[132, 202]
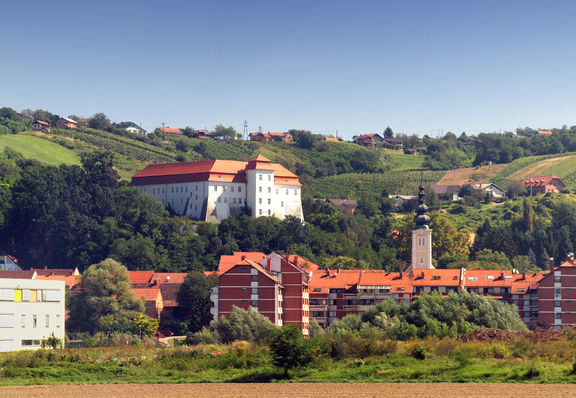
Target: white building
[30, 311]
[213, 190]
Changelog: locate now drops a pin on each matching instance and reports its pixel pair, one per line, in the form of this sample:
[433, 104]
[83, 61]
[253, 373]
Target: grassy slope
[40, 149]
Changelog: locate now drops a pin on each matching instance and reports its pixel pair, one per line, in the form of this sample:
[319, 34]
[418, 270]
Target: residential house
[446, 192]
[8, 262]
[203, 134]
[131, 127]
[332, 139]
[370, 140]
[66, 123]
[544, 132]
[348, 206]
[30, 312]
[544, 184]
[153, 301]
[401, 199]
[170, 130]
[39, 125]
[496, 193]
[213, 190]
[271, 136]
[394, 143]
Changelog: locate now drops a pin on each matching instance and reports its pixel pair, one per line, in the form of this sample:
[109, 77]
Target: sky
[420, 67]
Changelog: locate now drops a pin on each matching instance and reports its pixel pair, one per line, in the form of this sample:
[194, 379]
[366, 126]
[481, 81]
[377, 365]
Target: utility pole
[163, 124]
[245, 133]
[260, 128]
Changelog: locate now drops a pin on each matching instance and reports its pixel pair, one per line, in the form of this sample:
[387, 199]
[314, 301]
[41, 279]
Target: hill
[32, 147]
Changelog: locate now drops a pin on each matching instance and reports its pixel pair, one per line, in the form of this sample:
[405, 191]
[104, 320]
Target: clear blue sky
[351, 66]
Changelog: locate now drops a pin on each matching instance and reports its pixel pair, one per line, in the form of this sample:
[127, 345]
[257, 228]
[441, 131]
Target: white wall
[25, 321]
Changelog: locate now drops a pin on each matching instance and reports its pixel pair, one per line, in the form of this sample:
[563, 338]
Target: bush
[288, 349]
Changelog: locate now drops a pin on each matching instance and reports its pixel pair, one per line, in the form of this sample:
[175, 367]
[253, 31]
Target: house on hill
[66, 123]
[368, 139]
[213, 190]
[446, 192]
[39, 125]
[170, 130]
[203, 134]
[348, 206]
[544, 132]
[332, 139]
[270, 136]
[544, 184]
[131, 127]
[495, 192]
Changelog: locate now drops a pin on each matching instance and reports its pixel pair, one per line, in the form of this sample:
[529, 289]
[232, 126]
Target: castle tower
[421, 236]
[260, 186]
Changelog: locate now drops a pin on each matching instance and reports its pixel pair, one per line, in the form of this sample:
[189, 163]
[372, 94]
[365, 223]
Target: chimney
[296, 260]
[400, 274]
[551, 264]
[269, 264]
[243, 258]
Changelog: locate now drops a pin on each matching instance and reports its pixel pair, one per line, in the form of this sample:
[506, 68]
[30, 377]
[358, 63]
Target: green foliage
[106, 291]
[288, 349]
[194, 300]
[128, 322]
[246, 325]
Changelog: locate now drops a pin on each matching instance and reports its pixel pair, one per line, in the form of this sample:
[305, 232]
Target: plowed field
[316, 390]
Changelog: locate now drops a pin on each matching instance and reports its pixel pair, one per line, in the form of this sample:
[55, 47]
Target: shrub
[288, 349]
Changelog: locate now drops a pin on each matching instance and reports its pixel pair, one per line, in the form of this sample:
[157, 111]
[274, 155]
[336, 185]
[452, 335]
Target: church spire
[422, 219]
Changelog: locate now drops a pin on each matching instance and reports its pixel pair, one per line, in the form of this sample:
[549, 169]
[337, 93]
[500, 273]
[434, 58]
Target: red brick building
[544, 184]
[557, 295]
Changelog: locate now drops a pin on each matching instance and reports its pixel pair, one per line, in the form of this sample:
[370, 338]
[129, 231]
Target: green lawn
[32, 147]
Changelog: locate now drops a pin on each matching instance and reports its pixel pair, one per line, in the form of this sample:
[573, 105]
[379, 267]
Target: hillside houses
[270, 136]
[544, 184]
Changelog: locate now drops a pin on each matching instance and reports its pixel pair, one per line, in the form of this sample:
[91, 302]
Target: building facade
[217, 189]
[30, 312]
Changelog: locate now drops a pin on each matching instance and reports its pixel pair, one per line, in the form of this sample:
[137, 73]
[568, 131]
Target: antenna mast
[245, 134]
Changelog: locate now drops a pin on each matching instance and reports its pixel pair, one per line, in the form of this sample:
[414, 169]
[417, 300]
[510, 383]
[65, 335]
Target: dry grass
[465, 176]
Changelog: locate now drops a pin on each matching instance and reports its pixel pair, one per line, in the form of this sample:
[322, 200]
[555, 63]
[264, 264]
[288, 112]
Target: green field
[32, 147]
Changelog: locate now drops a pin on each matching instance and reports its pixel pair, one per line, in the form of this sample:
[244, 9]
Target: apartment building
[30, 311]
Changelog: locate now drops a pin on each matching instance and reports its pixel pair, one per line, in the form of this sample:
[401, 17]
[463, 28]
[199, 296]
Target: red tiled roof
[324, 280]
[544, 132]
[69, 280]
[140, 276]
[170, 130]
[42, 123]
[541, 180]
[334, 139]
[227, 262]
[277, 134]
[436, 277]
[149, 294]
[168, 277]
[209, 170]
[301, 262]
[54, 271]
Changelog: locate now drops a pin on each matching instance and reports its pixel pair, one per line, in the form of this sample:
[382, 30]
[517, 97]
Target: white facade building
[217, 189]
[30, 311]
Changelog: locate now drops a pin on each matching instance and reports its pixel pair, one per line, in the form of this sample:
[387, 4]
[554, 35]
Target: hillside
[32, 147]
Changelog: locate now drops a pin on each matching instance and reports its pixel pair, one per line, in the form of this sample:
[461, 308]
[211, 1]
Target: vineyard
[352, 186]
[40, 149]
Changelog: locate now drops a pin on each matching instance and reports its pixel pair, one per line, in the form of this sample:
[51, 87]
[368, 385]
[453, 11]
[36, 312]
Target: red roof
[542, 180]
[227, 262]
[140, 276]
[170, 130]
[302, 262]
[42, 123]
[168, 277]
[69, 280]
[17, 274]
[544, 132]
[149, 294]
[210, 170]
[324, 280]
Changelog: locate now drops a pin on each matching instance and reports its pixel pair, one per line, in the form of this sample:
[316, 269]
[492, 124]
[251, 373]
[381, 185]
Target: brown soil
[462, 176]
[500, 335]
[303, 390]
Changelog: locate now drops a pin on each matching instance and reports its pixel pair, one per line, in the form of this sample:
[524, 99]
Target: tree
[106, 290]
[225, 132]
[303, 138]
[527, 217]
[288, 349]
[247, 325]
[194, 300]
[100, 121]
[388, 133]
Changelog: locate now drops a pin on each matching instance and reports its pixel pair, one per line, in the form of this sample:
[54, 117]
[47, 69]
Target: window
[557, 292]
[436, 278]
[186, 189]
[233, 200]
[215, 188]
[196, 187]
[295, 192]
[254, 303]
[196, 196]
[269, 201]
[282, 204]
[260, 177]
[172, 189]
[286, 192]
[239, 189]
[557, 279]
[269, 212]
[23, 320]
[47, 320]
[259, 189]
[219, 200]
[317, 289]
[34, 321]
[30, 342]
[557, 304]
[231, 189]
[254, 278]
[259, 200]
[558, 315]
[489, 277]
[260, 212]
[269, 190]
[163, 190]
[58, 321]
[225, 200]
[153, 190]
[269, 177]
[240, 200]
[254, 290]
[6, 294]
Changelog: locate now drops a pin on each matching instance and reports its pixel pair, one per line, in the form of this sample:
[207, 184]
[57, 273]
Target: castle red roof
[170, 130]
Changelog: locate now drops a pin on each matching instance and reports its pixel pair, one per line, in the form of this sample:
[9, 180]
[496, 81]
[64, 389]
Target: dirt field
[317, 390]
[462, 176]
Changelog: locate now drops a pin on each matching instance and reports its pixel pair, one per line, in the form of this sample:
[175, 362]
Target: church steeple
[421, 219]
[421, 236]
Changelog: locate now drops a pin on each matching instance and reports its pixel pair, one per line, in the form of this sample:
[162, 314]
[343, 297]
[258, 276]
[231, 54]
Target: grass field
[32, 147]
[400, 161]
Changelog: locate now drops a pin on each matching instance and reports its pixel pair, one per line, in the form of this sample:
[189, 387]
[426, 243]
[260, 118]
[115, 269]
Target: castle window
[260, 201]
[259, 189]
[219, 200]
[186, 189]
[196, 187]
[239, 189]
[260, 177]
[231, 189]
[172, 189]
[269, 213]
[281, 204]
[269, 177]
[269, 190]
[276, 191]
[286, 192]
[233, 200]
[215, 188]
[260, 212]
[225, 200]
[269, 201]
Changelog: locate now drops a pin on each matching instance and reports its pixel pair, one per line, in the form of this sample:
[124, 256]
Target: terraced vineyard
[351, 186]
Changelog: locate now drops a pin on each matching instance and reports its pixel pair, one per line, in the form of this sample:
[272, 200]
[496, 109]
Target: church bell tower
[421, 236]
